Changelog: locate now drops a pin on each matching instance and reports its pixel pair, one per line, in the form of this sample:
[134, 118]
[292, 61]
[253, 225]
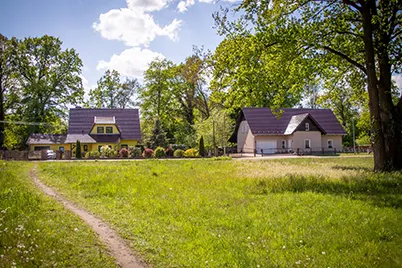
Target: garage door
[267, 147]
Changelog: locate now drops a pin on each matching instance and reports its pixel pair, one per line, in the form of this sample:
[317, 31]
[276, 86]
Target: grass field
[35, 231]
[199, 213]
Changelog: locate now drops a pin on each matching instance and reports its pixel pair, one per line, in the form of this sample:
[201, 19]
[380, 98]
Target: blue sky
[116, 34]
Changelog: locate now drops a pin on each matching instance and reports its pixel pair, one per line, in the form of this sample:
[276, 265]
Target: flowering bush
[191, 153]
[123, 152]
[106, 152]
[148, 153]
[178, 153]
[92, 155]
[159, 152]
[134, 151]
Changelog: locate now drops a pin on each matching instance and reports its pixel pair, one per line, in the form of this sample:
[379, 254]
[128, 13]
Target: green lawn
[35, 231]
[197, 213]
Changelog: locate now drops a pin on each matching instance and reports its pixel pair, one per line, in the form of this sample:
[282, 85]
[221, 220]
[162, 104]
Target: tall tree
[7, 69]
[49, 80]
[111, 93]
[366, 34]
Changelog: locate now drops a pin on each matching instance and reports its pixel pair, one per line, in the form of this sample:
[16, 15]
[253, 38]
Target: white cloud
[182, 6]
[131, 62]
[133, 27]
[147, 5]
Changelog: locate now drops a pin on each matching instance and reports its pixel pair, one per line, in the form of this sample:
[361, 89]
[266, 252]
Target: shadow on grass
[380, 189]
[356, 168]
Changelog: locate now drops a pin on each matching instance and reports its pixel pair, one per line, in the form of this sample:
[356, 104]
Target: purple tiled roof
[81, 121]
[263, 122]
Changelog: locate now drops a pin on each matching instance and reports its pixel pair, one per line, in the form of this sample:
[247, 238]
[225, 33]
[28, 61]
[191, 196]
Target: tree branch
[353, 4]
[345, 57]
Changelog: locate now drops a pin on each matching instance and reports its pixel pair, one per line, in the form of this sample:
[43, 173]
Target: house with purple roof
[94, 128]
[258, 130]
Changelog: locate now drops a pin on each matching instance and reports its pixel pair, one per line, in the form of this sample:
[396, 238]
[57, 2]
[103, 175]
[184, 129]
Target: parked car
[50, 154]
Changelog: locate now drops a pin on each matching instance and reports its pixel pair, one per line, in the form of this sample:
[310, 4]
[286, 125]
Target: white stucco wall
[299, 137]
[336, 142]
[245, 140]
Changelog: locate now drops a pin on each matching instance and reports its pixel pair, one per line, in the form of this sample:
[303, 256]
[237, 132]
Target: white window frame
[307, 126]
[309, 144]
[332, 144]
[283, 144]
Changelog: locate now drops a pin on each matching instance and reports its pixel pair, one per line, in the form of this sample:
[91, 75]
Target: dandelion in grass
[248, 237]
[284, 247]
[298, 262]
[323, 253]
[76, 229]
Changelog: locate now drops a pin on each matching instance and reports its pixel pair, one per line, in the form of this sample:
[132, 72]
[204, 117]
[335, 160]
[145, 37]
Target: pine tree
[78, 150]
[158, 136]
[201, 147]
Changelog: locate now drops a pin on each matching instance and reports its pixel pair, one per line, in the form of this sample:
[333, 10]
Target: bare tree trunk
[385, 118]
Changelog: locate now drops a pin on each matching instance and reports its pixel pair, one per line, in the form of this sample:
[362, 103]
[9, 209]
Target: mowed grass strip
[202, 213]
[35, 231]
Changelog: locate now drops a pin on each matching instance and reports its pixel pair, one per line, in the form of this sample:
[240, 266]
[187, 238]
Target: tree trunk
[384, 117]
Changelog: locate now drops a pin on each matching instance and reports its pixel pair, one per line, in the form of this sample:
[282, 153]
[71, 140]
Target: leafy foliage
[159, 152]
[134, 151]
[192, 152]
[178, 153]
[111, 93]
[92, 154]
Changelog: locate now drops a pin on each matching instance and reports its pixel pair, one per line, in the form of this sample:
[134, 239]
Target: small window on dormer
[100, 130]
[109, 129]
[307, 126]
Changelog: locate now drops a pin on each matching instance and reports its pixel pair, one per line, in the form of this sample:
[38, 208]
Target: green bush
[178, 153]
[201, 147]
[134, 151]
[92, 155]
[159, 152]
[78, 154]
[192, 152]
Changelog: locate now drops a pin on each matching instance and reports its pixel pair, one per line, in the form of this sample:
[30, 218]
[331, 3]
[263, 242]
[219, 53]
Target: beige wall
[298, 138]
[336, 142]
[245, 140]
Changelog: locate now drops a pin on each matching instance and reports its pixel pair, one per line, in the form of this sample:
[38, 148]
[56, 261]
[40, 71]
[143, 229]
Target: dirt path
[117, 247]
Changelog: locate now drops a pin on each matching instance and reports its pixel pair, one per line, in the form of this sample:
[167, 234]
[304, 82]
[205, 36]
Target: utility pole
[353, 131]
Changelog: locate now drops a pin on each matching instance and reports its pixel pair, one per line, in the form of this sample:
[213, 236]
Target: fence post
[262, 152]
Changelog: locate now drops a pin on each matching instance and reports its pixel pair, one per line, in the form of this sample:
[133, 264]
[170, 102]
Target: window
[124, 146]
[307, 144]
[109, 129]
[330, 144]
[307, 125]
[283, 144]
[61, 148]
[100, 130]
[85, 148]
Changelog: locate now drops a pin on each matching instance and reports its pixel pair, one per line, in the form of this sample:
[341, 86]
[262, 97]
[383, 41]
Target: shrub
[134, 151]
[123, 152]
[178, 146]
[106, 151]
[92, 155]
[192, 152]
[78, 150]
[114, 154]
[201, 147]
[178, 153]
[169, 151]
[148, 153]
[159, 152]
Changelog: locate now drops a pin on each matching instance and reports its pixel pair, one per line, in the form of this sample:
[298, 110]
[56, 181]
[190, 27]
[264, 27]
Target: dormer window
[109, 130]
[100, 130]
[307, 125]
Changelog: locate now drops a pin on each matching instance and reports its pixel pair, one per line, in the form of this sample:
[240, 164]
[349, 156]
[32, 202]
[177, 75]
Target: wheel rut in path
[124, 256]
